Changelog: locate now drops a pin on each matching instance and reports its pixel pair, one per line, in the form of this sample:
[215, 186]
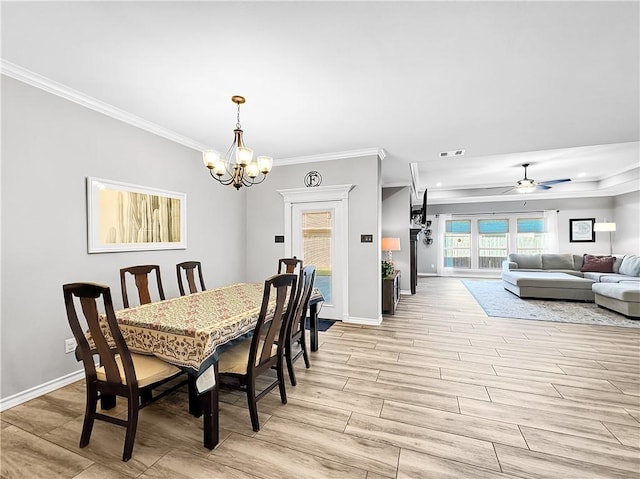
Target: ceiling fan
[527, 185]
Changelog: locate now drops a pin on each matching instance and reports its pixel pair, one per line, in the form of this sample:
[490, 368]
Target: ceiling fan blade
[542, 187]
[554, 182]
[507, 191]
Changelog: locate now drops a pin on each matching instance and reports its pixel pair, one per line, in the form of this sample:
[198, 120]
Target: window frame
[475, 238]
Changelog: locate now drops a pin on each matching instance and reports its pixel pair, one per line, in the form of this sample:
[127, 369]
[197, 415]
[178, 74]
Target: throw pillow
[526, 261]
[578, 259]
[557, 261]
[630, 265]
[598, 264]
[617, 263]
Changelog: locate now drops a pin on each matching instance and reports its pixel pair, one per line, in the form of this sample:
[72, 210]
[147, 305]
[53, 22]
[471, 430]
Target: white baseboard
[34, 392]
[406, 292]
[367, 321]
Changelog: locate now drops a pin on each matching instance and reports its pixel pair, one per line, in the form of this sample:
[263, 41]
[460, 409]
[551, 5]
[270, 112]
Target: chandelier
[237, 167]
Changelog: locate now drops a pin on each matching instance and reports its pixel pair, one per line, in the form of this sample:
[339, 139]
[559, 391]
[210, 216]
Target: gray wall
[428, 254]
[265, 219]
[395, 224]
[598, 208]
[626, 238]
[49, 146]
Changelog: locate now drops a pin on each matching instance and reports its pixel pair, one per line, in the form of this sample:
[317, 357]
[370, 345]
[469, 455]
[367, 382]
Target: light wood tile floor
[437, 391]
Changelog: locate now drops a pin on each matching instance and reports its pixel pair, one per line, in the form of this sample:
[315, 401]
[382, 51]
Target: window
[317, 230]
[457, 244]
[483, 242]
[493, 243]
[531, 235]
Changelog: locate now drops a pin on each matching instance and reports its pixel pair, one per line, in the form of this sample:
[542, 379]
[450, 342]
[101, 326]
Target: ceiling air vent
[452, 153]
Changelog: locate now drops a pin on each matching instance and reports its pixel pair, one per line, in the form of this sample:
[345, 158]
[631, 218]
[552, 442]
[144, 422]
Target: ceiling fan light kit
[528, 185]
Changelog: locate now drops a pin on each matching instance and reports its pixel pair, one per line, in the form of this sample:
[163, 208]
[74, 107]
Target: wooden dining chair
[141, 276]
[189, 267]
[122, 373]
[295, 334]
[252, 357]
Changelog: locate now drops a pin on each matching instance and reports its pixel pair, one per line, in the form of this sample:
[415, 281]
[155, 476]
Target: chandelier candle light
[237, 168]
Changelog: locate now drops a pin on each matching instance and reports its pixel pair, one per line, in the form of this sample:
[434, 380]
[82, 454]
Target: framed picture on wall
[581, 230]
[124, 217]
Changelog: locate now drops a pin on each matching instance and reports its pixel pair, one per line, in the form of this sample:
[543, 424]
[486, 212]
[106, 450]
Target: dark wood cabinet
[391, 293]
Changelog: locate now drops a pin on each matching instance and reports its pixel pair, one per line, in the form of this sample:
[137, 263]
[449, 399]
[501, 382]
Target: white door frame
[315, 195]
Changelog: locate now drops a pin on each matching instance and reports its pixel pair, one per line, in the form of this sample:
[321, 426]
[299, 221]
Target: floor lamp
[610, 227]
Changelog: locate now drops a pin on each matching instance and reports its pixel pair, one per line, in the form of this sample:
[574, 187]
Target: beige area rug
[498, 302]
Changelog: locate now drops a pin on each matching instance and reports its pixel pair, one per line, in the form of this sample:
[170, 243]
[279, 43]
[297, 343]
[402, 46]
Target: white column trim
[365, 321]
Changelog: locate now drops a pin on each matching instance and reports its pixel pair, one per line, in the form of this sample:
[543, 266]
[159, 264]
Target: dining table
[191, 332]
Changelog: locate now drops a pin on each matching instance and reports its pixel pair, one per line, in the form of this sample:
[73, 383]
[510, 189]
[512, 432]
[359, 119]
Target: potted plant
[387, 269]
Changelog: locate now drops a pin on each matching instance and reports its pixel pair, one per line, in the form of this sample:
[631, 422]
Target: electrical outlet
[70, 345]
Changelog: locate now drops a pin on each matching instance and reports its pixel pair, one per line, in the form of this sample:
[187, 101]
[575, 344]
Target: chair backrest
[289, 265]
[141, 275]
[297, 321]
[188, 267]
[106, 347]
[268, 331]
[292, 265]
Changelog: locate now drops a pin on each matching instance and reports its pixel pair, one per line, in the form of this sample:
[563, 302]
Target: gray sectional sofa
[565, 276]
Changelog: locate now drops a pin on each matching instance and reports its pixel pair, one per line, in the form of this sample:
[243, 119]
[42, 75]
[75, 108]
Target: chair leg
[89, 415]
[146, 395]
[303, 346]
[253, 406]
[132, 425]
[107, 402]
[288, 355]
[280, 373]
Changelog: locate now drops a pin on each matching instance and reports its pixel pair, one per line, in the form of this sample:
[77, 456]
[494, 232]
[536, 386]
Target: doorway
[316, 230]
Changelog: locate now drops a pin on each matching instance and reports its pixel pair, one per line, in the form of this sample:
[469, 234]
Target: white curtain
[552, 242]
[442, 227]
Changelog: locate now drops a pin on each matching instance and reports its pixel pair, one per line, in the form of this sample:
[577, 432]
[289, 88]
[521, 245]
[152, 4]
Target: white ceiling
[554, 84]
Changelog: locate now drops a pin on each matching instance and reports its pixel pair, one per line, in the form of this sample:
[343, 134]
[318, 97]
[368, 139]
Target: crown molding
[46, 84]
[43, 83]
[340, 155]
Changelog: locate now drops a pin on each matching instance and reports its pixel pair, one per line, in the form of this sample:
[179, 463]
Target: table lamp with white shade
[389, 245]
[610, 227]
